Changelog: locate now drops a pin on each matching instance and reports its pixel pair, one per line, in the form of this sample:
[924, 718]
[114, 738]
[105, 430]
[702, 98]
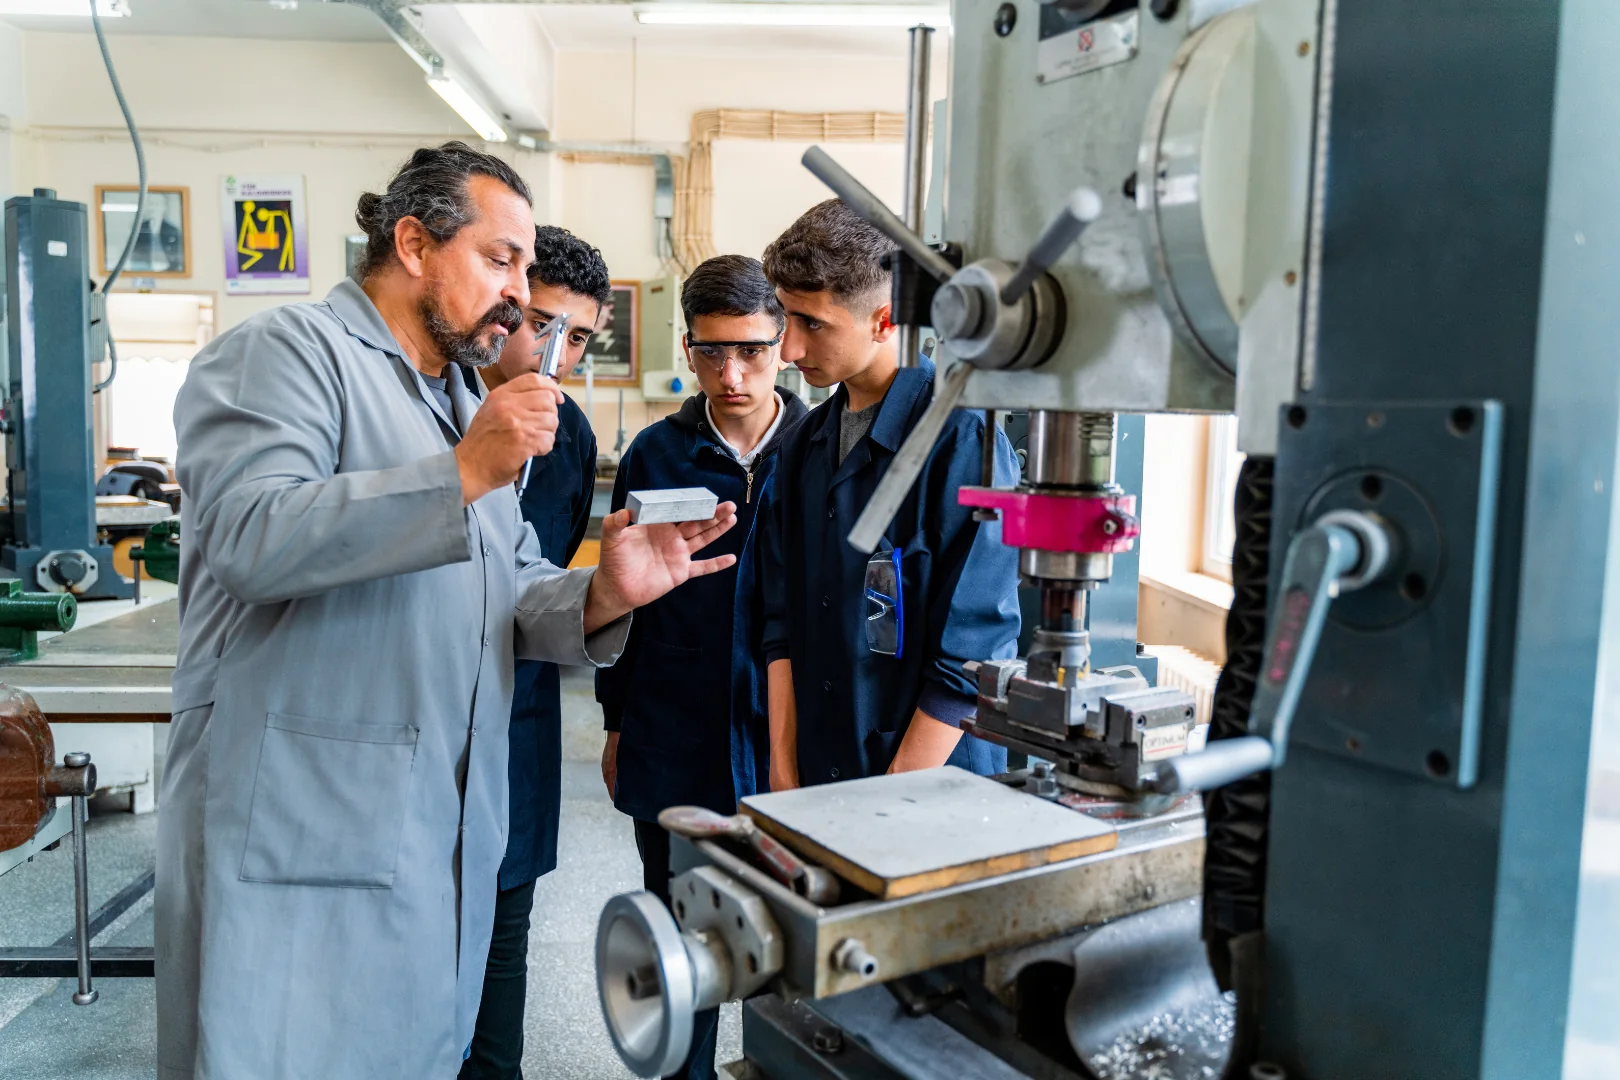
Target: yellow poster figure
[264, 230]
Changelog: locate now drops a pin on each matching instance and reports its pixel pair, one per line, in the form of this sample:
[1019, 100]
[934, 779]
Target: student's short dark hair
[564, 261]
[831, 249]
[730, 285]
[432, 188]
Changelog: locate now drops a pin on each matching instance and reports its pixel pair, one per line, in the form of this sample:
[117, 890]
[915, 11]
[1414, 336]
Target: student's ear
[882, 328]
[687, 350]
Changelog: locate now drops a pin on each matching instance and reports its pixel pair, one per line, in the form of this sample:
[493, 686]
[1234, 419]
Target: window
[1224, 462]
[157, 335]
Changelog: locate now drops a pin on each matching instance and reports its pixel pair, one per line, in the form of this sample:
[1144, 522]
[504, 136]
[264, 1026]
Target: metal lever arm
[1321, 559]
[871, 208]
[908, 462]
[1081, 208]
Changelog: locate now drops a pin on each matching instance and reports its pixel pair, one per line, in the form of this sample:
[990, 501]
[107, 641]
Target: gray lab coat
[334, 804]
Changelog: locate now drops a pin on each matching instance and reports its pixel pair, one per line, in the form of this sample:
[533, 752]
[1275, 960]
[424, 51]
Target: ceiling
[611, 27]
[311, 20]
[587, 27]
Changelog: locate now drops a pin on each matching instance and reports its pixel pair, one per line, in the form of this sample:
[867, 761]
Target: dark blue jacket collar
[894, 411]
[692, 419]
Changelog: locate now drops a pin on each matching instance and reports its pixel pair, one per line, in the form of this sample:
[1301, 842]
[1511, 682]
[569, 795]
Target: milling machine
[1380, 233]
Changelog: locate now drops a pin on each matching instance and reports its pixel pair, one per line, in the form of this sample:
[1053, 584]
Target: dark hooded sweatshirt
[688, 695]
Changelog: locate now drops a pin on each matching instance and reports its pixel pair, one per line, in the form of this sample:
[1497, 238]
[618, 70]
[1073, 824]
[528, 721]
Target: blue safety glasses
[885, 606]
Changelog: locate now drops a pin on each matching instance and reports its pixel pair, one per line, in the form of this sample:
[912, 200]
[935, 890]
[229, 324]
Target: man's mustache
[505, 314]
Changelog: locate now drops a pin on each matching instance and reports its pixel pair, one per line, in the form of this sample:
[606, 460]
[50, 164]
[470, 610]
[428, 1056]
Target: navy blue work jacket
[959, 586]
[687, 696]
[557, 502]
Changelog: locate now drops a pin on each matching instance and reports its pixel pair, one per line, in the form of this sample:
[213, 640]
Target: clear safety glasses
[885, 605]
[751, 356]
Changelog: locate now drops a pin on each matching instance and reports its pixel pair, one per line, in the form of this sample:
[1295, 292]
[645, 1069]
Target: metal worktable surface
[116, 670]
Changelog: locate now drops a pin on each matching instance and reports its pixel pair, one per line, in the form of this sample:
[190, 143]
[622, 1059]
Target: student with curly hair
[567, 277]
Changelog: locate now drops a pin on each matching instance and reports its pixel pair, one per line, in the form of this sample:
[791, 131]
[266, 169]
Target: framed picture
[163, 235]
[615, 349]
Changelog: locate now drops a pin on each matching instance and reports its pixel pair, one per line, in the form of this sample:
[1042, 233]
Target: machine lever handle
[908, 462]
[872, 210]
[1082, 207]
[1342, 550]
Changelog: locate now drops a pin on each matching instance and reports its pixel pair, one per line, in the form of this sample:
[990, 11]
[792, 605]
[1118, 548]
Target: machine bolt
[1041, 782]
[827, 1040]
[1164, 10]
[76, 760]
[1110, 526]
[1006, 19]
[642, 983]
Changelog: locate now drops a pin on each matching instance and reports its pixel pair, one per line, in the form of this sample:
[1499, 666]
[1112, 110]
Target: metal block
[1431, 470]
[671, 505]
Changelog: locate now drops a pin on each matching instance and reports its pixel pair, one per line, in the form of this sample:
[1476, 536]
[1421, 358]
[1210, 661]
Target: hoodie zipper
[748, 495]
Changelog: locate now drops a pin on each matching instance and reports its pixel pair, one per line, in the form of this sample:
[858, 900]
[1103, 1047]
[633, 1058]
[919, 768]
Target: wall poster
[266, 234]
[615, 348]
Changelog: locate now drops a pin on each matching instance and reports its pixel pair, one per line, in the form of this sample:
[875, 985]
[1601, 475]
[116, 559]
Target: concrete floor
[43, 1036]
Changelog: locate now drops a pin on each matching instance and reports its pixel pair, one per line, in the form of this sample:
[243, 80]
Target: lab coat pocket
[329, 802]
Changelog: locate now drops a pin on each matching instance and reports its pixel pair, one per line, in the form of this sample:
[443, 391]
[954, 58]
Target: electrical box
[664, 375]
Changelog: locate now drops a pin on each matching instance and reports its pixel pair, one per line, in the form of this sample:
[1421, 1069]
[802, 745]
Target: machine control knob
[957, 311]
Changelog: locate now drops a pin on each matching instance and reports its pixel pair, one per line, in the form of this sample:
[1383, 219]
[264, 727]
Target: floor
[43, 1036]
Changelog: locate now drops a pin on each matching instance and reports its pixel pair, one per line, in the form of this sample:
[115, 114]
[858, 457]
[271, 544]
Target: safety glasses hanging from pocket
[885, 604]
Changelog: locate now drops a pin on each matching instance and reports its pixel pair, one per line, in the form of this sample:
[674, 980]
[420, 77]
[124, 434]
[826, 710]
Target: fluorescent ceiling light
[107, 9]
[467, 107]
[794, 13]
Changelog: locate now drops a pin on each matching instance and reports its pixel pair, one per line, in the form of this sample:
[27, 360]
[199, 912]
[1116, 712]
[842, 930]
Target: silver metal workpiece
[87, 993]
[917, 110]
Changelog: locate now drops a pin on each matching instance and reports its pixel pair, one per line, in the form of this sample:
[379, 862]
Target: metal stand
[86, 994]
[917, 113]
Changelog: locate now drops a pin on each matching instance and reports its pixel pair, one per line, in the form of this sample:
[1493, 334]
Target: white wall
[13, 102]
[344, 115]
[759, 187]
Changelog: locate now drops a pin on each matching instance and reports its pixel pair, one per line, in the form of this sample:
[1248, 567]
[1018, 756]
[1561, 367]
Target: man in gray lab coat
[354, 579]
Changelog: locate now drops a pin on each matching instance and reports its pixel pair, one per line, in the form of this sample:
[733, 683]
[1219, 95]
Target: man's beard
[464, 346]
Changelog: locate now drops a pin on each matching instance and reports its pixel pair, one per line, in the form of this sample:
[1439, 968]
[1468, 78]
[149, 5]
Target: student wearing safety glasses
[685, 705]
[865, 654]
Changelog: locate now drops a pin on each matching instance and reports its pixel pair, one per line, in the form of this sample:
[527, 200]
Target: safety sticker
[1086, 48]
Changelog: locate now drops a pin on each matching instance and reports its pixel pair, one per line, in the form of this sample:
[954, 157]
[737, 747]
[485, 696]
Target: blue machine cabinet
[50, 463]
[1445, 926]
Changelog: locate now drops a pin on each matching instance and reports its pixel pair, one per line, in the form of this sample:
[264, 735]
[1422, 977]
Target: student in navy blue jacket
[685, 705]
[838, 709]
[568, 277]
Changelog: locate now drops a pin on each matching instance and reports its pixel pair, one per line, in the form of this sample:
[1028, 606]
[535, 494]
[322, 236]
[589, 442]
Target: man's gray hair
[432, 188]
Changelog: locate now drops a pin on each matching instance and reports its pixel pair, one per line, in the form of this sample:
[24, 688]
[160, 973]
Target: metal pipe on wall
[915, 190]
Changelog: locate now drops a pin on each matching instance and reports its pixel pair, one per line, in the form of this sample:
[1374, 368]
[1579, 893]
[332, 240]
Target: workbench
[102, 686]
